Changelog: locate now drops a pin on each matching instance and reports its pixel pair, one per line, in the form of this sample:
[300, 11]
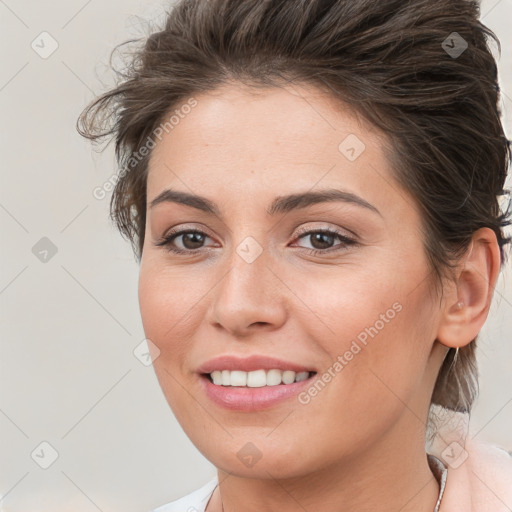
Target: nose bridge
[248, 292]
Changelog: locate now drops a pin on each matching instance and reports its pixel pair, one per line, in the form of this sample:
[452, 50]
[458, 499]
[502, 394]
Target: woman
[312, 190]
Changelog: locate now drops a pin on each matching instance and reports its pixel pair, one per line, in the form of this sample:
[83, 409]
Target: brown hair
[420, 70]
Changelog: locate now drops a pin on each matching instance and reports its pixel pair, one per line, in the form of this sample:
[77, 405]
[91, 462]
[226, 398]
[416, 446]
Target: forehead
[246, 116]
[242, 140]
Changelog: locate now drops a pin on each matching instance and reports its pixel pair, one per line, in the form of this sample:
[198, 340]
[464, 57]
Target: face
[331, 283]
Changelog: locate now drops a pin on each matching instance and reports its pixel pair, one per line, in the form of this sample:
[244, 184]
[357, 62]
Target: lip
[251, 399]
[251, 363]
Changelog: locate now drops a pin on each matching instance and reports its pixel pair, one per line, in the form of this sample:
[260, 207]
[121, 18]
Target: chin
[257, 456]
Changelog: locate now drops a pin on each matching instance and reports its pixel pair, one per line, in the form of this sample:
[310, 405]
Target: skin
[358, 444]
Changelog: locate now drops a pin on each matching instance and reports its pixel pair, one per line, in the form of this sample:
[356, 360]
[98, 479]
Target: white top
[197, 500]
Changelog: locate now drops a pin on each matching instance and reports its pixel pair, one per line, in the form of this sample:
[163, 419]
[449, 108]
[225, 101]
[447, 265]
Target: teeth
[273, 377]
[288, 377]
[239, 379]
[256, 378]
[216, 377]
[301, 376]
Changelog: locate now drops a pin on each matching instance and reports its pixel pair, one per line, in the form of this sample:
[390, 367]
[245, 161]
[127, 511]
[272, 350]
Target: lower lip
[251, 399]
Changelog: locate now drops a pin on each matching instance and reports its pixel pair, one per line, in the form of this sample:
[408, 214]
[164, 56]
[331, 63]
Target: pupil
[193, 238]
[320, 237]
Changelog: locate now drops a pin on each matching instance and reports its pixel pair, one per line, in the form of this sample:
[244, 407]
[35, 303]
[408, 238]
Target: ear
[467, 305]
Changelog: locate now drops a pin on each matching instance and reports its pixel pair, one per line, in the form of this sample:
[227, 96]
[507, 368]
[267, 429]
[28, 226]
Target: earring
[455, 356]
[459, 304]
[454, 360]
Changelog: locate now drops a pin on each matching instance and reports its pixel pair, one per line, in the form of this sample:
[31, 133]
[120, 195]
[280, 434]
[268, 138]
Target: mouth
[256, 378]
[256, 390]
[252, 383]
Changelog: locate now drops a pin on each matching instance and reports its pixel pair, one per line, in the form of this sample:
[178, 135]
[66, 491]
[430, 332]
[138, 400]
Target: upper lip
[251, 363]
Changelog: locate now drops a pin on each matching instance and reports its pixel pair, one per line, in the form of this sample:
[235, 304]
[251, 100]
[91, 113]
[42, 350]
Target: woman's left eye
[319, 238]
[323, 237]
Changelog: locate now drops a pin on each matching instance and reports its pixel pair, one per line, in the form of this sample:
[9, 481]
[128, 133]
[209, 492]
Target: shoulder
[196, 501]
[479, 473]
[490, 474]
[478, 479]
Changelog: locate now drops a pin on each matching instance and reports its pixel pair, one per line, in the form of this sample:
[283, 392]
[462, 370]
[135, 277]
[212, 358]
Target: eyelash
[169, 238]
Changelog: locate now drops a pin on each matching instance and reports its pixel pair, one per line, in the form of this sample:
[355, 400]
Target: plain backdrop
[68, 287]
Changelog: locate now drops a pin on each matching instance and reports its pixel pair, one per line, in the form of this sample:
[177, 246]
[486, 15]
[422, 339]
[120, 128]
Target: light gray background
[69, 325]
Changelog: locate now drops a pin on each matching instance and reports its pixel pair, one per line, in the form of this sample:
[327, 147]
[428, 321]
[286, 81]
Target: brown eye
[322, 241]
[191, 240]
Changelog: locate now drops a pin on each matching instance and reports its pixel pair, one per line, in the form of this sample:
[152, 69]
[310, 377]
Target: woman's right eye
[189, 239]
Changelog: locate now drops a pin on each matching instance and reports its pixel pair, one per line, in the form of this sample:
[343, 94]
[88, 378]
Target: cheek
[375, 333]
[167, 310]
[349, 303]
[169, 298]
[168, 304]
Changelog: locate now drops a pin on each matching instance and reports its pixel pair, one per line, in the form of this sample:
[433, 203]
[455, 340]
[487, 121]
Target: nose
[249, 297]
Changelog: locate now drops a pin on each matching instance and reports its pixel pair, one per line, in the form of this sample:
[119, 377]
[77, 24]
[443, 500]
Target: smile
[257, 378]
[252, 383]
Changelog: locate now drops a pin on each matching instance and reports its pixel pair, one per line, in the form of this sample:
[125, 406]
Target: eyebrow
[281, 204]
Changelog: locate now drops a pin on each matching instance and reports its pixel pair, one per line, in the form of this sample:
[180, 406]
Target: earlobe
[467, 306]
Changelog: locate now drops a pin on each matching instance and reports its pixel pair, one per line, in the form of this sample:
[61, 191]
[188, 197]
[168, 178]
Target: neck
[381, 479]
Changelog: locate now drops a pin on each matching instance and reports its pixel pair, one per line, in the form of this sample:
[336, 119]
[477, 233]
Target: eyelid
[301, 231]
[333, 229]
[185, 227]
